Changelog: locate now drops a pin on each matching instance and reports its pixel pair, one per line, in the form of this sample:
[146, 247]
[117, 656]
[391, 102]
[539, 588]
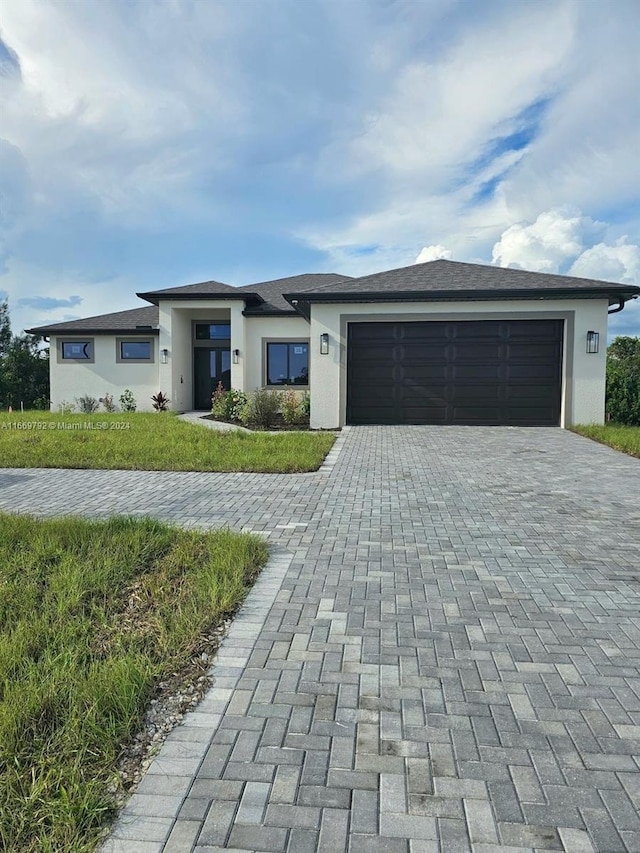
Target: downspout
[620, 305]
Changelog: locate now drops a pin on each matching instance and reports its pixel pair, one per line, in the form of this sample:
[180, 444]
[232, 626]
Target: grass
[151, 442]
[92, 616]
[624, 438]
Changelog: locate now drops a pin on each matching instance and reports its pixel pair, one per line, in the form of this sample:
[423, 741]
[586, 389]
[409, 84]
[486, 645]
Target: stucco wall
[71, 379]
[583, 374]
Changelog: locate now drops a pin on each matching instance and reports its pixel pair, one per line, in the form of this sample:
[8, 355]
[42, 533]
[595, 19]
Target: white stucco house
[434, 343]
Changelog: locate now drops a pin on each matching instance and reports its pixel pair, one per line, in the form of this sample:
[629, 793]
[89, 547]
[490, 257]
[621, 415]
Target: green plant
[127, 401]
[619, 436]
[623, 381]
[235, 402]
[263, 408]
[228, 405]
[107, 402]
[290, 407]
[87, 404]
[219, 402]
[161, 402]
[93, 617]
[305, 404]
[65, 407]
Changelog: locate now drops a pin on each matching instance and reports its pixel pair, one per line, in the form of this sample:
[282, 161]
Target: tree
[623, 381]
[24, 368]
[5, 328]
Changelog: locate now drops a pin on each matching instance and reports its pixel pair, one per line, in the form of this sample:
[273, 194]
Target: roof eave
[52, 330]
[270, 312]
[300, 300]
[155, 297]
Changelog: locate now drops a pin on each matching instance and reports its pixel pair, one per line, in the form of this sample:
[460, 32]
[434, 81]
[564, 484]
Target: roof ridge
[272, 281]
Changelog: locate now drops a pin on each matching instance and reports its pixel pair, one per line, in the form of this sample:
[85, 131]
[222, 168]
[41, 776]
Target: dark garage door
[463, 372]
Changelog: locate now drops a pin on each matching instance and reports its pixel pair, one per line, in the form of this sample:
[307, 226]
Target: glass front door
[211, 365]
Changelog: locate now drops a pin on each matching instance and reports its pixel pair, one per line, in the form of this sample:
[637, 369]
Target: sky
[153, 143]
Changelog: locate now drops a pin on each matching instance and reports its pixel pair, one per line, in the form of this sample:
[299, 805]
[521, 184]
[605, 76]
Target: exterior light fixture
[593, 341]
[164, 356]
[236, 356]
[324, 344]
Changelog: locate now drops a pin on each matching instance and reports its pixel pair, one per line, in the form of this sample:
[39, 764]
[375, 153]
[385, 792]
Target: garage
[463, 372]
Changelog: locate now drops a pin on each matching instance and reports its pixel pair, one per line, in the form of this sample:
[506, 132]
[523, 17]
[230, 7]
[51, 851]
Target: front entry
[210, 365]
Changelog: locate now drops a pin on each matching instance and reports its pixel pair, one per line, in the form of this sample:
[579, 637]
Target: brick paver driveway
[442, 656]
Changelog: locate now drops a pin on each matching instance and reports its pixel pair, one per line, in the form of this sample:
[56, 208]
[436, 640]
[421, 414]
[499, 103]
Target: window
[134, 350]
[76, 350]
[287, 363]
[213, 331]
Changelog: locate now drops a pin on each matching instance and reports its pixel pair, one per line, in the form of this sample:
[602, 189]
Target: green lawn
[92, 616]
[151, 442]
[624, 438]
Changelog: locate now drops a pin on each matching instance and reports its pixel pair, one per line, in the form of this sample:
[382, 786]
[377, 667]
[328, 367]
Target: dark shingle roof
[208, 289]
[271, 291]
[455, 279]
[443, 280]
[120, 321]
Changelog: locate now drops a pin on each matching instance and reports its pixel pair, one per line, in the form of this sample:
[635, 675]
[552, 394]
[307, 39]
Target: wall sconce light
[236, 356]
[593, 341]
[324, 344]
[164, 356]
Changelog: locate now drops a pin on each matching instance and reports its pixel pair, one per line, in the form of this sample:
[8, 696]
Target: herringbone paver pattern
[442, 656]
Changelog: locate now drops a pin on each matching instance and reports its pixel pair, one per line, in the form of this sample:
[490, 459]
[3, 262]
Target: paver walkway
[443, 654]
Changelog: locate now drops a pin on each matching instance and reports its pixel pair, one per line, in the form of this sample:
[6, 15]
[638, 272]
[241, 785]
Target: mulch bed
[277, 426]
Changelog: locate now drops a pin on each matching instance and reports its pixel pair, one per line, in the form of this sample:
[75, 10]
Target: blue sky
[152, 143]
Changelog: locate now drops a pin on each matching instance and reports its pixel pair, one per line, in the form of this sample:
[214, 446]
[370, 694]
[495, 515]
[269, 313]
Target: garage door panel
[373, 372]
[455, 372]
[522, 373]
[476, 414]
[414, 351]
[407, 332]
[527, 352]
[478, 372]
[532, 330]
[425, 414]
[416, 372]
[476, 393]
[473, 330]
[474, 351]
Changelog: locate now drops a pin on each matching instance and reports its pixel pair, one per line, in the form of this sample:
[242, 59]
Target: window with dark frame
[287, 363]
[135, 350]
[77, 350]
[213, 331]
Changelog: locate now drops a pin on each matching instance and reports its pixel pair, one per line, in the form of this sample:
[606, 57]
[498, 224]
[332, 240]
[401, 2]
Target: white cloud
[433, 253]
[620, 262]
[546, 245]
[438, 115]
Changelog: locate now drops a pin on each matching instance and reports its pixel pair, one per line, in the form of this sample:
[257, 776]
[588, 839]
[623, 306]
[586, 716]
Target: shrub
[107, 402]
[291, 408]
[228, 405]
[623, 381]
[127, 401]
[161, 402]
[262, 408]
[87, 404]
[305, 404]
[218, 402]
[64, 406]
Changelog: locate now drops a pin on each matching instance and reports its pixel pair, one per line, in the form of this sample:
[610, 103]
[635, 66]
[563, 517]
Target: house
[434, 343]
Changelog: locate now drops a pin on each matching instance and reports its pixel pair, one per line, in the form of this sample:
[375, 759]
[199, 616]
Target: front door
[211, 365]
